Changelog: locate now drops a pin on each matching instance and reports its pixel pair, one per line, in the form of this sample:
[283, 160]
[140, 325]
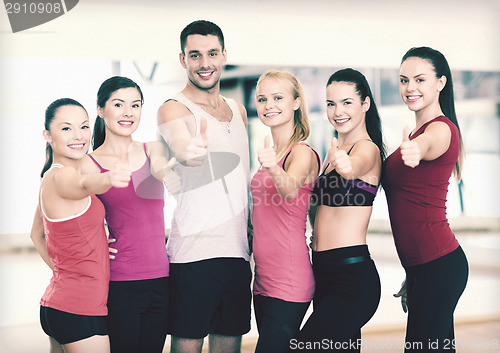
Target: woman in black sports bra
[347, 282]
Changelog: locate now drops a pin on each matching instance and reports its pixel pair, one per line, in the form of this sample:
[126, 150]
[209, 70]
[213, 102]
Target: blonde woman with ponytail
[281, 189]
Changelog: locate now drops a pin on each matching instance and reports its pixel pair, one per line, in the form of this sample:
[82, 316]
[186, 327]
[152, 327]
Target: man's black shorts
[210, 297]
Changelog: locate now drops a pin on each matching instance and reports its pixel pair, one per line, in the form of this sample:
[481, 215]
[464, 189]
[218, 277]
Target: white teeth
[205, 74]
[341, 121]
[125, 122]
[270, 114]
[77, 146]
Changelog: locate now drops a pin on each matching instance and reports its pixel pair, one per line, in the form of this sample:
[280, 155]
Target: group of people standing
[127, 295]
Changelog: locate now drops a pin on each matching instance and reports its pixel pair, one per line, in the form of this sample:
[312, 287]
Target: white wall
[70, 56]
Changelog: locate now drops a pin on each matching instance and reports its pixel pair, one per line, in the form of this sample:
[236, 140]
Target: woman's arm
[158, 157]
[38, 237]
[74, 186]
[431, 144]
[362, 159]
[302, 164]
[312, 211]
[161, 166]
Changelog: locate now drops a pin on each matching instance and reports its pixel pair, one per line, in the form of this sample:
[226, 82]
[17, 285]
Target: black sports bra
[333, 190]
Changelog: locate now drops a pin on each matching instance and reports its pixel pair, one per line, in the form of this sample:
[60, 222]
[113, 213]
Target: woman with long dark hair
[139, 285]
[347, 282]
[415, 180]
[68, 232]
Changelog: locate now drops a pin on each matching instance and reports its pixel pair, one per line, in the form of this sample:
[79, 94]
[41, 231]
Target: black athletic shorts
[67, 328]
[210, 297]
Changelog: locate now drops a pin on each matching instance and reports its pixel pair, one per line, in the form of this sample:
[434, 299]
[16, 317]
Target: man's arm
[176, 126]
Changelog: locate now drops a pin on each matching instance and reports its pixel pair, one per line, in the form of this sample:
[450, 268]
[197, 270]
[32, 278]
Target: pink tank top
[78, 247]
[135, 219]
[282, 264]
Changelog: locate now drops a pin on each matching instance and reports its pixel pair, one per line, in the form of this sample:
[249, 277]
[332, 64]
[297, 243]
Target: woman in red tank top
[415, 179]
[68, 232]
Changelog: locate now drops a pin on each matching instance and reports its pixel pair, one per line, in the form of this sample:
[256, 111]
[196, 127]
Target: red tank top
[78, 247]
[416, 198]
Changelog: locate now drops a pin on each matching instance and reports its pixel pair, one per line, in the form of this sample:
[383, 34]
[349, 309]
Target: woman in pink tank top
[138, 298]
[68, 232]
[281, 189]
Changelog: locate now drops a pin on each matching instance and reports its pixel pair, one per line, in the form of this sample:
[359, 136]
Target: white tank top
[210, 219]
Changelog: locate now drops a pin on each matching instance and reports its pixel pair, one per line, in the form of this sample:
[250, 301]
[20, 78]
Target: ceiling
[270, 32]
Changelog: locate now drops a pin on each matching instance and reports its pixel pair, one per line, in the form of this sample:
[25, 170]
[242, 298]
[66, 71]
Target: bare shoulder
[302, 153]
[172, 110]
[154, 144]
[438, 129]
[365, 147]
[88, 166]
[157, 146]
[63, 175]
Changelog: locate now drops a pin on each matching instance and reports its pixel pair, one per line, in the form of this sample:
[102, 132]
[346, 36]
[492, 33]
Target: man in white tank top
[208, 245]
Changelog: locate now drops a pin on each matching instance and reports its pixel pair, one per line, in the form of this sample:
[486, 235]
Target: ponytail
[48, 159]
[99, 133]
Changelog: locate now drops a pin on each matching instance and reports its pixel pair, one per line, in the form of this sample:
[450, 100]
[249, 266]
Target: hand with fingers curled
[403, 293]
[120, 174]
[267, 155]
[311, 240]
[170, 178]
[112, 251]
[410, 150]
[197, 148]
[339, 159]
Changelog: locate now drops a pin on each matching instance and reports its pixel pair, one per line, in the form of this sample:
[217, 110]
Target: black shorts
[210, 297]
[67, 328]
[138, 315]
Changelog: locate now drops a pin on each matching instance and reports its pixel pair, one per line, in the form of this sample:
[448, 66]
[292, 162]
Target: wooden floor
[470, 337]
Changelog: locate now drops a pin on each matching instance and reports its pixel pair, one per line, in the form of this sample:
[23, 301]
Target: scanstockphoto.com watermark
[480, 345]
[25, 14]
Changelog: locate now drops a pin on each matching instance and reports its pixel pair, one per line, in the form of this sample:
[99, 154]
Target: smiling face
[203, 60]
[69, 133]
[276, 104]
[344, 108]
[418, 85]
[122, 111]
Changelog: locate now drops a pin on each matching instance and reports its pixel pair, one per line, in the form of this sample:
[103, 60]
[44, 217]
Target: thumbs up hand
[197, 147]
[267, 155]
[121, 172]
[410, 150]
[339, 159]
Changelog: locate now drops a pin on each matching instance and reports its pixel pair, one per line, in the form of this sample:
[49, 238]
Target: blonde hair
[301, 127]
